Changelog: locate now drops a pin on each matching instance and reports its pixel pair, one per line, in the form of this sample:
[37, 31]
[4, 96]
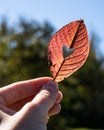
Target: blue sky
[58, 13]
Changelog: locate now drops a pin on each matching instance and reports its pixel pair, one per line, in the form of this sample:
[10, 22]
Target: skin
[27, 105]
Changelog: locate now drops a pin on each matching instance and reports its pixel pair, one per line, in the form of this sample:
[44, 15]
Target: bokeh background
[26, 28]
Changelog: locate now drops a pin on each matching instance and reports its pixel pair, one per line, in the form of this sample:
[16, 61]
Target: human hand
[27, 105]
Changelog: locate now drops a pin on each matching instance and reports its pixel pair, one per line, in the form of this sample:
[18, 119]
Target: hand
[27, 105]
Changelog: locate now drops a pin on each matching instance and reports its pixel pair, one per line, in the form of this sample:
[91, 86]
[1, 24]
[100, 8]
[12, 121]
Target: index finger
[20, 90]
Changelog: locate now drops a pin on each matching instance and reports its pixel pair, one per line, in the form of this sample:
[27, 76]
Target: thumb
[47, 96]
[37, 109]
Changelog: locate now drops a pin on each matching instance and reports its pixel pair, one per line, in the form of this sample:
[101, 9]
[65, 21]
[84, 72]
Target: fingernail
[51, 85]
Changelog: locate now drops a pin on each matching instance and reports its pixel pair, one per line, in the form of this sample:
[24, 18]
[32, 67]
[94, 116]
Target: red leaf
[68, 50]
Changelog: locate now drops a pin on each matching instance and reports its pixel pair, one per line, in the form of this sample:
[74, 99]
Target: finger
[47, 96]
[18, 91]
[54, 110]
[18, 105]
[3, 117]
[59, 97]
[6, 110]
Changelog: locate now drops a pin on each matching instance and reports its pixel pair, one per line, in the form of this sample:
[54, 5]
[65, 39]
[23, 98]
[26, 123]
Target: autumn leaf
[68, 50]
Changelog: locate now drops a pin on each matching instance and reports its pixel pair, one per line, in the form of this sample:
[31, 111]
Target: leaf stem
[54, 79]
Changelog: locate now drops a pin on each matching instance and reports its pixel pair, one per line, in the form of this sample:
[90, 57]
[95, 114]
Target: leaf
[68, 50]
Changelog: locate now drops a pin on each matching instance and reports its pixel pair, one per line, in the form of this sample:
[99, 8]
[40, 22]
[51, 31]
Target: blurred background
[26, 28]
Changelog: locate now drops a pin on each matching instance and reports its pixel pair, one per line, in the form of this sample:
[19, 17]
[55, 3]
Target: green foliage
[23, 55]
[23, 51]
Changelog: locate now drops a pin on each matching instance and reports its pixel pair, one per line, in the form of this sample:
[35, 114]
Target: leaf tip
[82, 19]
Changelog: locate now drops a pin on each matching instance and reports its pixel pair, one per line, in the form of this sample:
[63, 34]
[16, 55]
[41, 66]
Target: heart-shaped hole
[67, 51]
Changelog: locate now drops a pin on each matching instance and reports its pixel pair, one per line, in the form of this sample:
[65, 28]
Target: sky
[58, 13]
